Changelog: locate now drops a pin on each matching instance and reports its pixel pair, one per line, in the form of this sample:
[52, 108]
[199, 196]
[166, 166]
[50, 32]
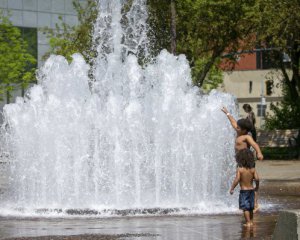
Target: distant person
[245, 175]
[251, 117]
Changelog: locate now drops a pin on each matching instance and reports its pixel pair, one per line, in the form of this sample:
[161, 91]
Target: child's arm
[230, 118]
[235, 181]
[252, 143]
[256, 179]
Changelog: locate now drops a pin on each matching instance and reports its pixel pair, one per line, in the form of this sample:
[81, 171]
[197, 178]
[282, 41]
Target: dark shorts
[246, 200]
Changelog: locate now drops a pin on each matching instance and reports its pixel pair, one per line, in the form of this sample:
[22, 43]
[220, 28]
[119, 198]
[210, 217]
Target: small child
[245, 174]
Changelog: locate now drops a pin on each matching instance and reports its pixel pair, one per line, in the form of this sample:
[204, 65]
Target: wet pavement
[184, 227]
[163, 227]
[280, 184]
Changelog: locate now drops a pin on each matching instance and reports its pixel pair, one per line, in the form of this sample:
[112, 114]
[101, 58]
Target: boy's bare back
[247, 175]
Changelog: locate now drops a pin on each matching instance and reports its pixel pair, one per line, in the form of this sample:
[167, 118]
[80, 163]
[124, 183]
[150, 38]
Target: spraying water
[139, 138]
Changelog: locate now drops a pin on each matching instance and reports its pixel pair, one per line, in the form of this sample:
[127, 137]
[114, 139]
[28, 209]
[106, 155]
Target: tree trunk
[207, 67]
[7, 94]
[292, 82]
[173, 27]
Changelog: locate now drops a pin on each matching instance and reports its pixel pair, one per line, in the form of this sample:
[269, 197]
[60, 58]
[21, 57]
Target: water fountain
[135, 138]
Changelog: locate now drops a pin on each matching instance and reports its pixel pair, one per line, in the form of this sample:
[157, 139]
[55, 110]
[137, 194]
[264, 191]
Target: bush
[280, 153]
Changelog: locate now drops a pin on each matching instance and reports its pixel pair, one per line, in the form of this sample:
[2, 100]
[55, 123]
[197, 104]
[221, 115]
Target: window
[265, 59]
[250, 86]
[269, 87]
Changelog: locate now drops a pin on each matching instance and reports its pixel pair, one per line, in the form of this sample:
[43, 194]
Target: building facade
[254, 80]
[37, 14]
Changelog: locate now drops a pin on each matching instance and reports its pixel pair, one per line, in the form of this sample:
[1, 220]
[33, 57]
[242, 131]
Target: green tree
[17, 65]
[205, 30]
[279, 29]
[66, 40]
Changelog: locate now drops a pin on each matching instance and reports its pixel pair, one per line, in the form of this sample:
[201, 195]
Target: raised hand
[224, 110]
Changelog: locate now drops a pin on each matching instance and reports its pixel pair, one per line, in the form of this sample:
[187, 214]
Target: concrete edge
[288, 225]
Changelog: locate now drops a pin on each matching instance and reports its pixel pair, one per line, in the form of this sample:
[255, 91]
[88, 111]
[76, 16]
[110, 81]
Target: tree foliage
[66, 40]
[209, 28]
[285, 116]
[279, 29]
[17, 65]
[206, 29]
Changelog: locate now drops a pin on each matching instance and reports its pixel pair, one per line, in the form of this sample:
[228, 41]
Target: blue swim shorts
[246, 200]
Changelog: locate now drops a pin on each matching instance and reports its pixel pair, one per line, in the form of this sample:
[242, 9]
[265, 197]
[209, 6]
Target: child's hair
[247, 107]
[245, 158]
[245, 124]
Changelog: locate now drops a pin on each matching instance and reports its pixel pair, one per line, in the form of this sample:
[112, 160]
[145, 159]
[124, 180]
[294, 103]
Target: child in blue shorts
[245, 175]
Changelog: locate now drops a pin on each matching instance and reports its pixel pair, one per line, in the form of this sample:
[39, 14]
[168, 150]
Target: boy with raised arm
[245, 175]
[243, 139]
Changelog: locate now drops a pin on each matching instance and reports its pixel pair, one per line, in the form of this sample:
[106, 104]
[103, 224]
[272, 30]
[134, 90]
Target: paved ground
[279, 177]
[279, 170]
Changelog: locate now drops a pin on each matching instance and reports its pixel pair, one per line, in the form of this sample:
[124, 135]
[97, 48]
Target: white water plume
[140, 138]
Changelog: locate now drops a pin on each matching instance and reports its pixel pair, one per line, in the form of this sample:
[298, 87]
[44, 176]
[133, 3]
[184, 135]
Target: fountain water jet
[138, 138]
